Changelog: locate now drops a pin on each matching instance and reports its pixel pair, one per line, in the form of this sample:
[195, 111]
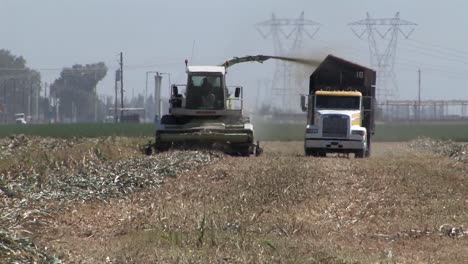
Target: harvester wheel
[168, 120]
[161, 147]
[242, 151]
[258, 149]
[148, 149]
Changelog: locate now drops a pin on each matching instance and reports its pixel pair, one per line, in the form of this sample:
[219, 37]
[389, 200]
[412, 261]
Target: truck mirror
[303, 103]
[237, 92]
[175, 90]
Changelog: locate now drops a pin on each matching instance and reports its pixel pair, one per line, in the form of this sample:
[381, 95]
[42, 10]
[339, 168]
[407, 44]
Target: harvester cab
[205, 94]
[207, 113]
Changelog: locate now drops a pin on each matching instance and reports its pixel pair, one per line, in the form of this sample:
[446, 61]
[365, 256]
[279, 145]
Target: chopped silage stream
[30, 192]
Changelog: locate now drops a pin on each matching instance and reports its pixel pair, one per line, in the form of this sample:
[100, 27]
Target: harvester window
[205, 92]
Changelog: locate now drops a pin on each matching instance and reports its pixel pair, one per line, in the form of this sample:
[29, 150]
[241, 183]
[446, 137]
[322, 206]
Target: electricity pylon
[287, 35]
[382, 35]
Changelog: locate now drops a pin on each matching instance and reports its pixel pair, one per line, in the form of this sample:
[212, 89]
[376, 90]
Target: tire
[360, 154]
[311, 152]
[168, 120]
[241, 151]
[369, 144]
[258, 151]
[162, 147]
[148, 150]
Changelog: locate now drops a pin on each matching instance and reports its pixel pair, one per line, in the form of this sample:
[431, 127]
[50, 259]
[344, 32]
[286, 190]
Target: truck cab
[337, 124]
[20, 119]
[340, 109]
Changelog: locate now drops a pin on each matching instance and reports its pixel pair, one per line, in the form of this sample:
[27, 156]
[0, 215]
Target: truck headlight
[361, 133]
[312, 130]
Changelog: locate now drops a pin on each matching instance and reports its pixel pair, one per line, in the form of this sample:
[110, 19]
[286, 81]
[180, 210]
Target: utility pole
[146, 90]
[96, 99]
[117, 78]
[419, 95]
[14, 96]
[121, 87]
[23, 92]
[45, 90]
[46, 111]
[30, 95]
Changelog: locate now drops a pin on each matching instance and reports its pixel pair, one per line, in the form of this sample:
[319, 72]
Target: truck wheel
[310, 152]
[368, 152]
[360, 154]
[322, 154]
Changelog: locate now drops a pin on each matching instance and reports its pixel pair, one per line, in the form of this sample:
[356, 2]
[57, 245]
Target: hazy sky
[158, 35]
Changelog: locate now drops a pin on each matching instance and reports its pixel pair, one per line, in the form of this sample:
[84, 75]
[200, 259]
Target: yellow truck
[340, 109]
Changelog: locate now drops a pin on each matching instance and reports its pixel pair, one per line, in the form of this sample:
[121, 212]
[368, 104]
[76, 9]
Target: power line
[436, 55]
[448, 49]
[437, 51]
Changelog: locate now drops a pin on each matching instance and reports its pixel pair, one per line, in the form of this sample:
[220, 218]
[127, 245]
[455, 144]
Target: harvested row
[41, 178]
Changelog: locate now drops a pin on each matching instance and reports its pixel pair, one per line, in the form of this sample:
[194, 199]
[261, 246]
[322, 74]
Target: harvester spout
[236, 60]
[262, 58]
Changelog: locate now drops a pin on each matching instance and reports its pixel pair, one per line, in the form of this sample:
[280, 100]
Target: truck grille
[335, 126]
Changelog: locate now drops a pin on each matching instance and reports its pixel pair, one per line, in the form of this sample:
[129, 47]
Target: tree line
[73, 96]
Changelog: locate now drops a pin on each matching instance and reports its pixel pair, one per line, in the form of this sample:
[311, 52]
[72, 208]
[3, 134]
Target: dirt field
[400, 206]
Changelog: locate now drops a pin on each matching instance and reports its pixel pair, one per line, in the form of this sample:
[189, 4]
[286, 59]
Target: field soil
[403, 205]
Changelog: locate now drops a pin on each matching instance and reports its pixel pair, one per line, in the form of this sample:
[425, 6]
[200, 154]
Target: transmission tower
[382, 35]
[287, 36]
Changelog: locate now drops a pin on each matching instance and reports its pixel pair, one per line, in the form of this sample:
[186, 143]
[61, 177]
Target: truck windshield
[337, 102]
